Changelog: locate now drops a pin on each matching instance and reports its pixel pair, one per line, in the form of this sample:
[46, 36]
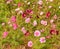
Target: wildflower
[37, 33]
[50, 7]
[27, 20]
[42, 40]
[5, 34]
[19, 4]
[27, 33]
[51, 0]
[40, 2]
[30, 43]
[34, 23]
[48, 37]
[53, 31]
[24, 14]
[55, 16]
[48, 14]
[3, 24]
[29, 11]
[42, 30]
[41, 13]
[53, 26]
[13, 18]
[51, 21]
[23, 30]
[8, 1]
[17, 9]
[43, 22]
[15, 26]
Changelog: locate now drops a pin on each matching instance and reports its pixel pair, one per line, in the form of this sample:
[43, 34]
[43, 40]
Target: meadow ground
[29, 24]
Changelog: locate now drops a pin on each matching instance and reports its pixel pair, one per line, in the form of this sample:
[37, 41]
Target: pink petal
[37, 33]
[15, 26]
[42, 40]
[13, 18]
[30, 44]
[34, 23]
[5, 34]
[27, 20]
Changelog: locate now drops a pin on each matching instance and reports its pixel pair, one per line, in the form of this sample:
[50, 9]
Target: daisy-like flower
[42, 40]
[27, 33]
[29, 11]
[34, 23]
[41, 13]
[55, 16]
[50, 7]
[8, 1]
[54, 31]
[15, 26]
[37, 33]
[19, 4]
[48, 14]
[3, 24]
[43, 22]
[27, 20]
[40, 2]
[51, 0]
[13, 18]
[24, 14]
[23, 30]
[30, 44]
[42, 30]
[5, 34]
[51, 21]
[17, 9]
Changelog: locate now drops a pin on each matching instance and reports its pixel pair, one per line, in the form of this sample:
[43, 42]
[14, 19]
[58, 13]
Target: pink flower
[30, 43]
[42, 40]
[27, 33]
[24, 14]
[40, 2]
[5, 34]
[3, 24]
[19, 4]
[34, 23]
[28, 11]
[37, 33]
[51, 21]
[27, 20]
[53, 26]
[55, 16]
[15, 26]
[43, 22]
[48, 14]
[53, 31]
[48, 37]
[42, 30]
[13, 18]
[8, 1]
[23, 30]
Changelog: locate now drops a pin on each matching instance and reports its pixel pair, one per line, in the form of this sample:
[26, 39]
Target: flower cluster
[32, 20]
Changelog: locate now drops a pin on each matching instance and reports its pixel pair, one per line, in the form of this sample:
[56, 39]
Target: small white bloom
[41, 13]
[50, 7]
[51, 0]
[17, 9]
[28, 3]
